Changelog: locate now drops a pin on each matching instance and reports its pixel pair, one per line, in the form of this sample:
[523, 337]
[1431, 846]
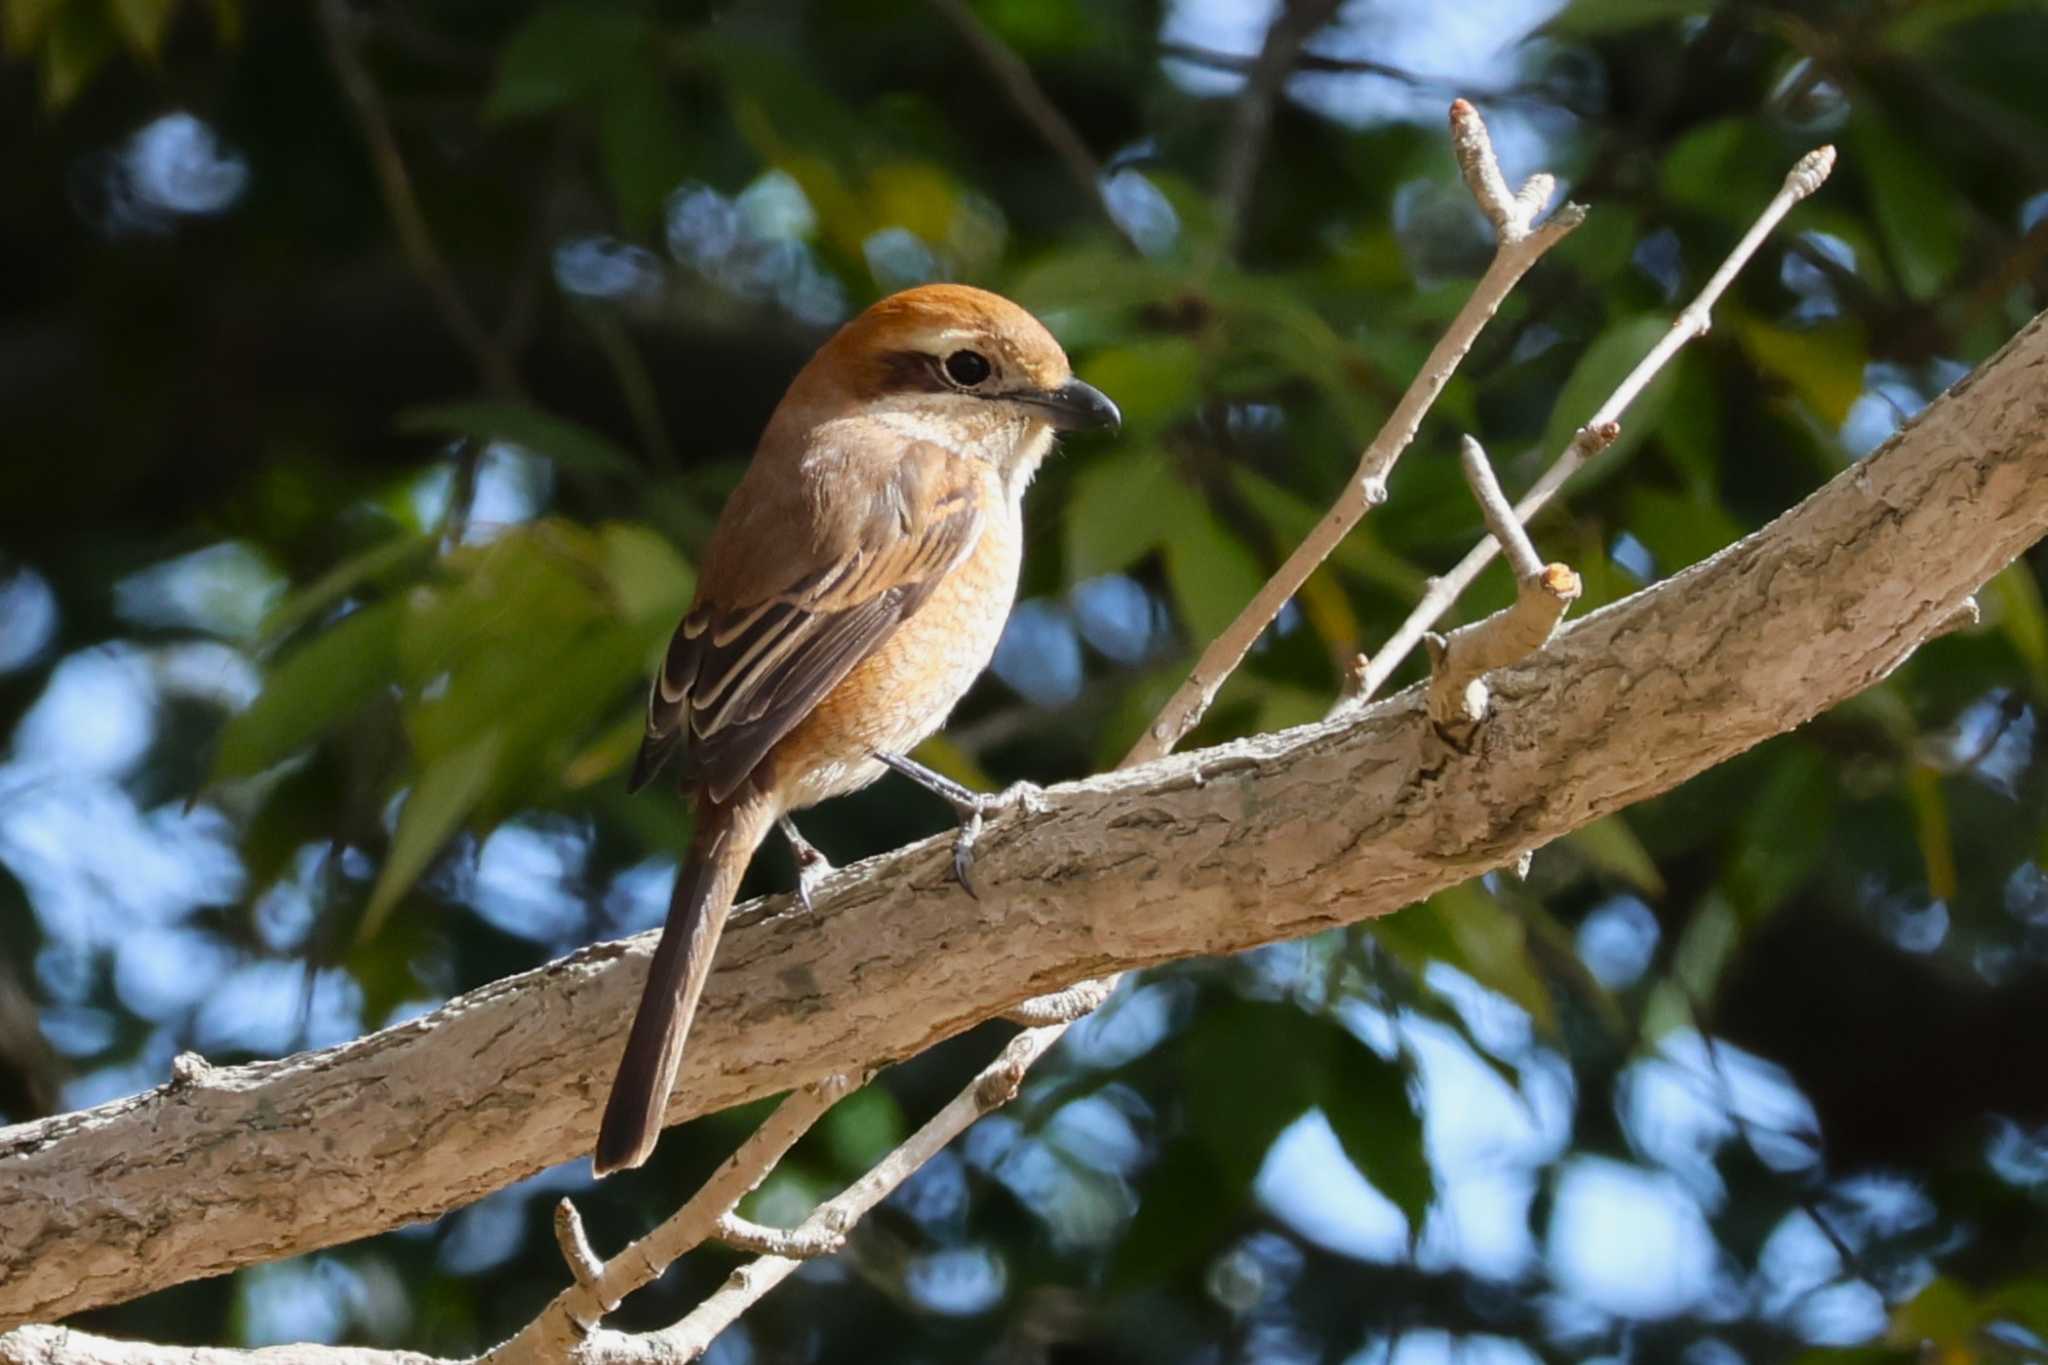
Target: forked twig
[1543, 593]
[1600, 430]
[1520, 243]
[572, 1315]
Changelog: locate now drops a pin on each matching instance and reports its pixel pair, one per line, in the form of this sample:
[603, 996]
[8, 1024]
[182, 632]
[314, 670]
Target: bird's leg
[972, 807]
[812, 866]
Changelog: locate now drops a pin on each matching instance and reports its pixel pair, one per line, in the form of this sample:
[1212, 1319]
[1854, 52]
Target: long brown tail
[726, 836]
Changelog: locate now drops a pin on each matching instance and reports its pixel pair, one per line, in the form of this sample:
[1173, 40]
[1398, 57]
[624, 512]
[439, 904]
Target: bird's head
[959, 365]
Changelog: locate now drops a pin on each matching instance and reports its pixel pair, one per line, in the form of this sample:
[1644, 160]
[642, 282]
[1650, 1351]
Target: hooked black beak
[1076, 406]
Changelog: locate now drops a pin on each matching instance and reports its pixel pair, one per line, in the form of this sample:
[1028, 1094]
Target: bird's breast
[900, 694]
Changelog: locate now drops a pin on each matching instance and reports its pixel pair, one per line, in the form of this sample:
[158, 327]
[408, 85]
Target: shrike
[855, 585]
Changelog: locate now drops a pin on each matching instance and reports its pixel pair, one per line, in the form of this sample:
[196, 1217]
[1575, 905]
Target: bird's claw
[973, 809]
[963, 849]
[808, 877]
[974, 817]
[812, 866]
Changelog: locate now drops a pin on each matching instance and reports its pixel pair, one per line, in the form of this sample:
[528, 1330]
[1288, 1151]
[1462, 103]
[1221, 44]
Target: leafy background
[362, 525]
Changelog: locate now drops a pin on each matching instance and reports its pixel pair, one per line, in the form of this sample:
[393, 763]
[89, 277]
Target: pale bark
[1267, 838]
[41, 1345]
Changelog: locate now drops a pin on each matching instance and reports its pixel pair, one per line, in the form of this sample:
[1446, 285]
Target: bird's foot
[812, 866]
[974, 809]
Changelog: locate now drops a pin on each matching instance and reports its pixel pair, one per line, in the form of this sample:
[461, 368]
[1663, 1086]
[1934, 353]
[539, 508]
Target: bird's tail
[726, 836]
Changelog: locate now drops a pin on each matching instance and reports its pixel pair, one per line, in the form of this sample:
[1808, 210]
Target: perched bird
[855, 585]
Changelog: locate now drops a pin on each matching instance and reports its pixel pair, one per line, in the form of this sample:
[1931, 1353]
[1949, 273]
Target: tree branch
[1602, 427]
[567, 1324]
[1245, 146]
[1520, 243]
[400, 201]
[1030, 99]
[1267, 838]
[1543, 593]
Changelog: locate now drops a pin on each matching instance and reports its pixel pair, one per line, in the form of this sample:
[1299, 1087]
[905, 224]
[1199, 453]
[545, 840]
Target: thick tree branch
[62, 1346]
[1209, 852]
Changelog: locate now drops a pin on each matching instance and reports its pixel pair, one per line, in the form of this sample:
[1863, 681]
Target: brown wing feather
[739, 675]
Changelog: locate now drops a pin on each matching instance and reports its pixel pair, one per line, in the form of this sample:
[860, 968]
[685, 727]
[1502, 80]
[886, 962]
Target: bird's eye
[967, 368]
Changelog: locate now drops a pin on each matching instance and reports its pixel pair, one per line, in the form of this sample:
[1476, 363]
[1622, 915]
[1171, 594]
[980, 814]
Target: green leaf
[648, 577]
[1677, 529]
[1611, 846]
[1916, 205]
[1824, 365]
[564, 53]
[1782, 834]
[439, 802]
[1705, 947]
[77, 45]
[26, 21]
[2017, 610]
[316, 685]
[566, 443]
[1251, 1071]
[1466, 928]
[1292, 519]
[1367, 1102]
[862, 1128]
[1690, 438]
[1122, 509]
[142, 24]
[1931, 825]
[337, 583]
[1727, 170]
[1170, 1228]
[1155, 382]
[640, 137]
[1213, 575]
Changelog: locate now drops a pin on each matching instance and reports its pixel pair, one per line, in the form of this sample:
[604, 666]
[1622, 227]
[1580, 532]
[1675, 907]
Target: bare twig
[798, 1244]
[1515, 252]
[1494, 509]
[1600, 430]
[1543, 593]
[1245, 145]
[403, 204]
[1015, 77]
[991, 1089]
[573, 1313]
[1196, 55]
[584, 1267]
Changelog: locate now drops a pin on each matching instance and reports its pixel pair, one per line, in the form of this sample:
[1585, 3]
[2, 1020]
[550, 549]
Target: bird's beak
[1076, 406]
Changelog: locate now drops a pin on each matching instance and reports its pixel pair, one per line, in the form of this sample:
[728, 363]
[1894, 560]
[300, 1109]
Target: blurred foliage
[343, 529]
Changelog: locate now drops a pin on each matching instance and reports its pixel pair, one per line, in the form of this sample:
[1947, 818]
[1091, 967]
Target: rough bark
[1215, 851]
[40, 1345]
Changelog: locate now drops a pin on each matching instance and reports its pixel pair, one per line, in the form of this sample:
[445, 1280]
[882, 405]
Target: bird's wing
[745, 666]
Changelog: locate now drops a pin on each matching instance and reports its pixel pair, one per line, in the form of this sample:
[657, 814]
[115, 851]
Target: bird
[854, 586]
